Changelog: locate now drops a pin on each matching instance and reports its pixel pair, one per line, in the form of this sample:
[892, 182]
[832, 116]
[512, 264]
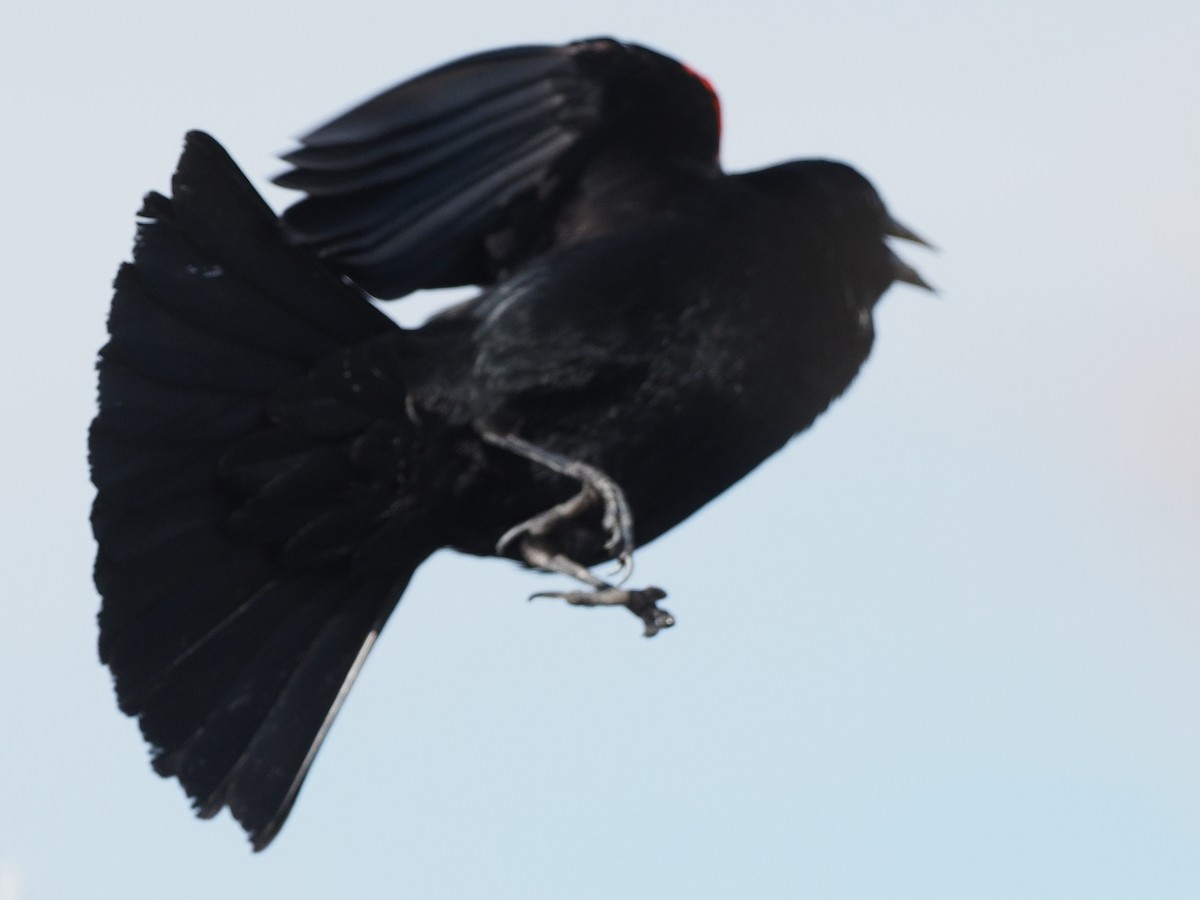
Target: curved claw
[509, 538]
[623, 570]
[618, 522]
[618, 518]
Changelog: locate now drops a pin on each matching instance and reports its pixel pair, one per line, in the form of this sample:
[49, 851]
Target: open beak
[901, 270]
[895, 229]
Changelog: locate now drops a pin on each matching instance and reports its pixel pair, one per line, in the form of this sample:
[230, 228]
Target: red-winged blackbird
[274, 457]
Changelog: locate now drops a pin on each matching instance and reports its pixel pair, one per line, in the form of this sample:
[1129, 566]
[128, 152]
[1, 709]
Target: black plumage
[274, 457]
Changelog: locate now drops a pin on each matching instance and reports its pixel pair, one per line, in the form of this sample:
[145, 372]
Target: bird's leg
[596, 486]
[642, 603]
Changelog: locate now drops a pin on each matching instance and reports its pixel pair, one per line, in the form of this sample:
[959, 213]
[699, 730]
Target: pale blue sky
[943, 646]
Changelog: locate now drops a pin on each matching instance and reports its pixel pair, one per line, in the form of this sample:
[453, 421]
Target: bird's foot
[596, 487]
[643, 603]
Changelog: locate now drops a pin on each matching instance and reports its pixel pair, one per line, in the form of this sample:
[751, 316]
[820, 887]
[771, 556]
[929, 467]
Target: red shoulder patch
[712, 92]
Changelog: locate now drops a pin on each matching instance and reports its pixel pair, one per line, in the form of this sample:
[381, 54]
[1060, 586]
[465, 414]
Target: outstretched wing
[456, 176]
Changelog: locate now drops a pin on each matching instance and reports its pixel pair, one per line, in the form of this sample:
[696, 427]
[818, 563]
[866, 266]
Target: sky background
[942, 646]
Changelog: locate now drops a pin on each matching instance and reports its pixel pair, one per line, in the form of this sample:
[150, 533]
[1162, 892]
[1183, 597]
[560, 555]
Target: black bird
[274, 457]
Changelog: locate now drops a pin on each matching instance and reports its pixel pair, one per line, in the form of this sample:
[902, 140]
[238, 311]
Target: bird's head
[848, 218]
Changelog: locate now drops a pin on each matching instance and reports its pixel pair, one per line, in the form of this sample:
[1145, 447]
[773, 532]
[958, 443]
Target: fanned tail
[235, 499]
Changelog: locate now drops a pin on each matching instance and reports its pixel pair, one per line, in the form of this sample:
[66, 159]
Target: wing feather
[458, 175]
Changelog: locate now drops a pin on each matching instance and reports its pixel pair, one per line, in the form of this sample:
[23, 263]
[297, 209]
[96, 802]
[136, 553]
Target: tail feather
[133, 466]
[233, 618]
[293, 497]
[155, 413]
[212, 297]
[236, 229]
[171, 614]
[160, 344]
[263, 785]
[278, 626]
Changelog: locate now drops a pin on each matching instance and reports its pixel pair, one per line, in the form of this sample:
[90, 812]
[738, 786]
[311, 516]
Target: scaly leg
[618, 522]
[596, 486]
